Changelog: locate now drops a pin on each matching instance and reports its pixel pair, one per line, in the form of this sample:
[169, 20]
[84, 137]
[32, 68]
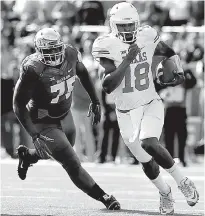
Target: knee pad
[151, 169]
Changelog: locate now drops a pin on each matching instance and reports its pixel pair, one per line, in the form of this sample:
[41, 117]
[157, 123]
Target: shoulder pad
[31, 61]
[71, 52]
[28, 71]
[149, 34]
[69, 47]
[102, 47]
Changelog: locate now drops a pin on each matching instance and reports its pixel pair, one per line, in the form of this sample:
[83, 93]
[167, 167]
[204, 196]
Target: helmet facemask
[50, 52]
[53, 55]
[124, 21]
[127, 32]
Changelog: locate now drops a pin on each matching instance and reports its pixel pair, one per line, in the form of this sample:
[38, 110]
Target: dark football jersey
[51, 91]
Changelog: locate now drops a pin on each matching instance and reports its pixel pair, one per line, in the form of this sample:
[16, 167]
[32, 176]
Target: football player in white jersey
[126, 56]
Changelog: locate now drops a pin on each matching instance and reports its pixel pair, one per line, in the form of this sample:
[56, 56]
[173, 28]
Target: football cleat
[110, 202]
[188, 188]
[166, 203]
[24, 162]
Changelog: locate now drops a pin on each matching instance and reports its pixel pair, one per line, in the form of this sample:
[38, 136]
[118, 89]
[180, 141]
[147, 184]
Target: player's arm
[167, 53]
[22, 95]
[113, 76]
[87, 83]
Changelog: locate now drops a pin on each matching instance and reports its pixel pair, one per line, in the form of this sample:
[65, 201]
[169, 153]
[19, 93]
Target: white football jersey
[137, 87]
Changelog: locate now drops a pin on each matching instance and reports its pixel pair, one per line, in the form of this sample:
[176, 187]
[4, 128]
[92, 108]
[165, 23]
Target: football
[168, 68]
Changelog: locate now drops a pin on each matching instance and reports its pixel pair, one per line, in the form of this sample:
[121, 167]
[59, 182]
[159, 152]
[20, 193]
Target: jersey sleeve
[102, 48]
[147, 34]
[28, 74]
[25, 84]
[151, 34]
[72, 53]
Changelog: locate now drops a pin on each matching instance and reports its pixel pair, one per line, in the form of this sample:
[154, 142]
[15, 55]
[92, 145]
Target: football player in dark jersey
[42, 101]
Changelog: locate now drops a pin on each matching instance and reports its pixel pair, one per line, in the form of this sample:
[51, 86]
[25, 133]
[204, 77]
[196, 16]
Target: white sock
[161, 184]
[176, 173]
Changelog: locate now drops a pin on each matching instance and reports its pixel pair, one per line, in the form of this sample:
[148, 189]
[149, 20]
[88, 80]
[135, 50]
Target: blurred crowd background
[181, 25]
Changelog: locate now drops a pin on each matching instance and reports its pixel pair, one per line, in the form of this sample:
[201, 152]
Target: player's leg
[115, 139]
[169, 131]
[149, 135]
[62, 151]
[182, 134]
[68, 127]
[66, 141]
[130, 124]
[151, 128]
[150, 166]
[28, 157]
[182, 137]
[105, 140]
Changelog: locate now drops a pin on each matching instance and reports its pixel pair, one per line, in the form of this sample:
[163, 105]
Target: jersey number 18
[141, 78]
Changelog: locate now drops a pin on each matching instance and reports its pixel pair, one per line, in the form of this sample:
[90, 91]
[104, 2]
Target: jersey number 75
[62, 89]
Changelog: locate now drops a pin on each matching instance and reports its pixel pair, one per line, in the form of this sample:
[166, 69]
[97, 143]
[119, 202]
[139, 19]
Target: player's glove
[40, 142]
[95, 109]
[178, 79]
[42, 137]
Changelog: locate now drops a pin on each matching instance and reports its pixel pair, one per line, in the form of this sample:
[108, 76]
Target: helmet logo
[44, 42]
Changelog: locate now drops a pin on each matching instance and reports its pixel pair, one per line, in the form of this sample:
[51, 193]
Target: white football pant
[141, 123]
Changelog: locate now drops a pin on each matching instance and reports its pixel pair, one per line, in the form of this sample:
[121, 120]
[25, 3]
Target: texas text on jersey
[137, 87]
[50, 88]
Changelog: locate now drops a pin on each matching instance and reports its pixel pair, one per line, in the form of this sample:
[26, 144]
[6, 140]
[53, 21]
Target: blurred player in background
[42, 100]
[128, 56]
[175, 121]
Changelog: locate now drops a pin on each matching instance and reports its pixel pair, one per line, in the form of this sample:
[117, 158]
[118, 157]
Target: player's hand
[132, 52]
[95, 110]
[40, 142]
[159, 77]
[178, 79]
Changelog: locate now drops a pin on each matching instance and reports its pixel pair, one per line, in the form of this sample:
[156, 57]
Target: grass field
[49, 191]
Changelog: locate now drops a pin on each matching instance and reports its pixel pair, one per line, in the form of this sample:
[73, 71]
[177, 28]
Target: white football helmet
[49, 47]
[124, 13]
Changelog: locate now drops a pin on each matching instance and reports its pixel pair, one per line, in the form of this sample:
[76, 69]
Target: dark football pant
[63, 133]
[108, 125]
[59, 147]
[175, 124]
